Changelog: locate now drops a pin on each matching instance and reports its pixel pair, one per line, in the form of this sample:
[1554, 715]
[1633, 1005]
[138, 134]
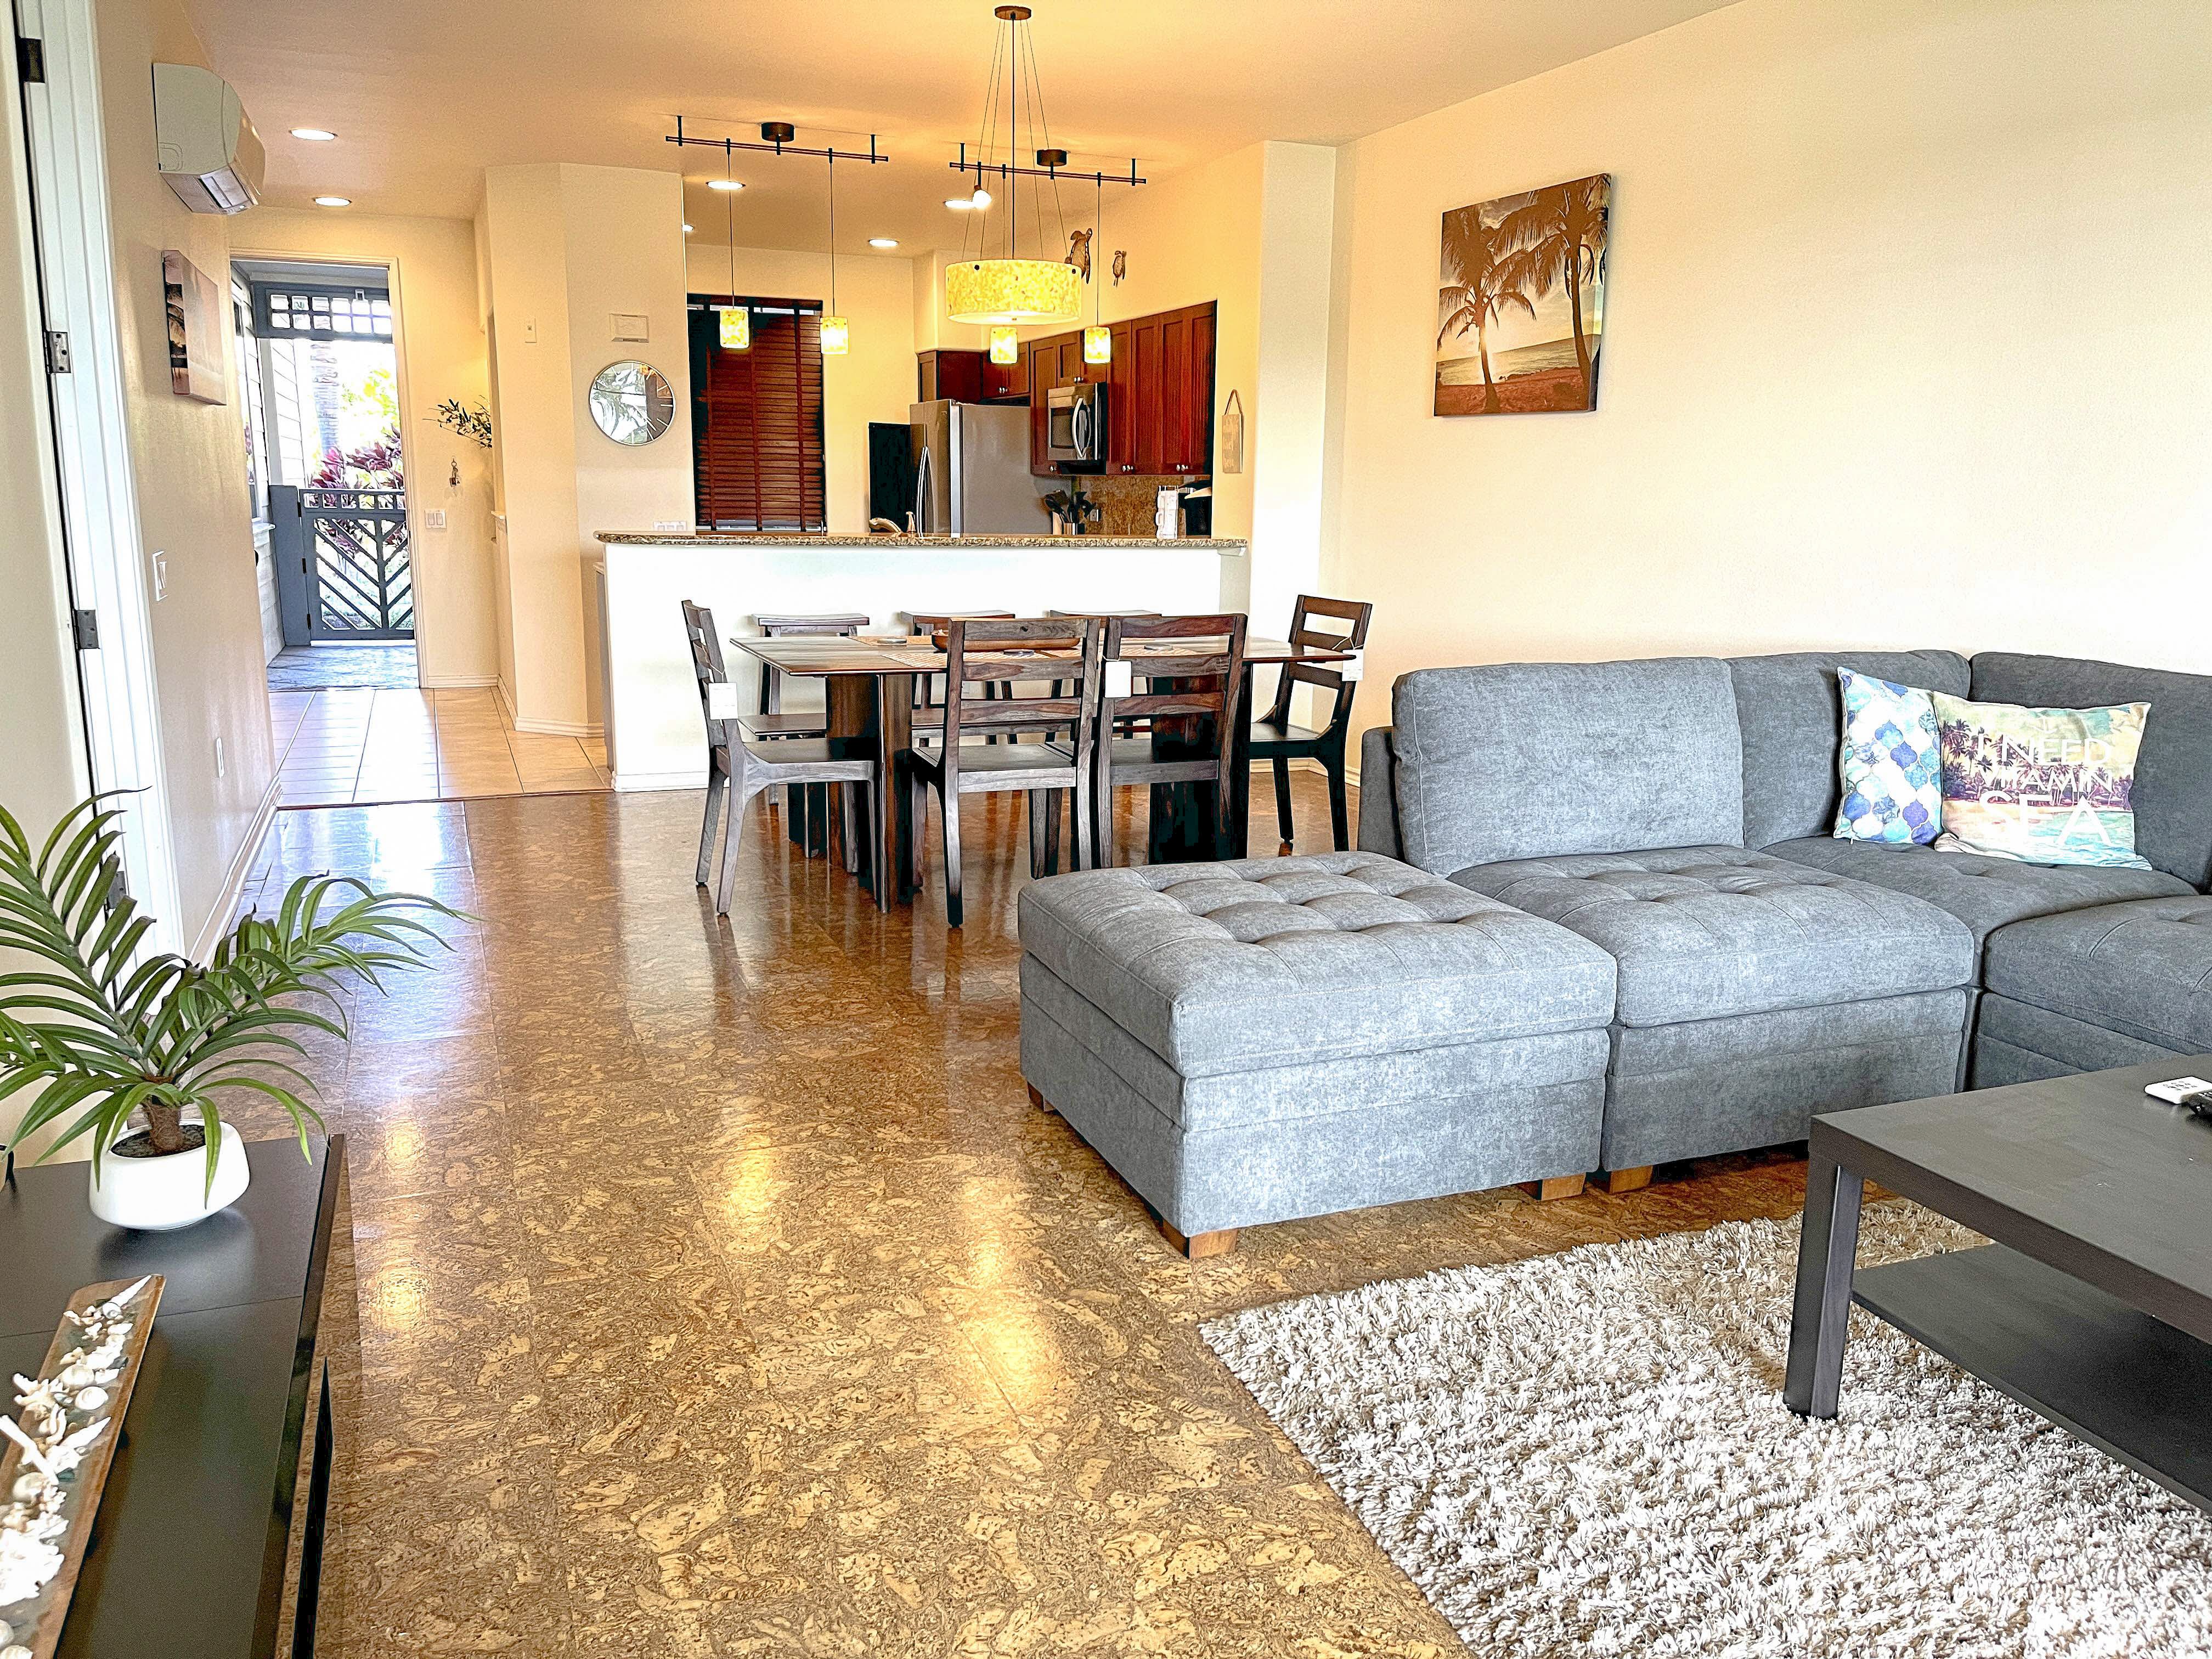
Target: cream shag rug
[1588, 1454]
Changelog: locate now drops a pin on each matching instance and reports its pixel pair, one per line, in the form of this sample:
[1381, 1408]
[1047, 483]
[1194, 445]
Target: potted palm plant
[138, 1055]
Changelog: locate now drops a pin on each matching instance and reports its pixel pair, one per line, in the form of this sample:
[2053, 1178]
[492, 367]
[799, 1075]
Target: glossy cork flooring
[721, 1293]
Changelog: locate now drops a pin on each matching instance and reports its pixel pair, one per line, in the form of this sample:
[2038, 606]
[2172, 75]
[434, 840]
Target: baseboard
[544, 728]
[218, 923]
[626, 783]
[458, 682]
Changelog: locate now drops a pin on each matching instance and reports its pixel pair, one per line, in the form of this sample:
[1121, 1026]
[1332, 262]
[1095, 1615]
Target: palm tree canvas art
[1521, 301]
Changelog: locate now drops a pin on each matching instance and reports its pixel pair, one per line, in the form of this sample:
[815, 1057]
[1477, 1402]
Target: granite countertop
[792, 538]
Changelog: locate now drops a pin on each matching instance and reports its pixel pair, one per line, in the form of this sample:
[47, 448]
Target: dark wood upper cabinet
[1041, 358]
[1159, 404]
[1121, 404]
[1006, 382]
[957, 375]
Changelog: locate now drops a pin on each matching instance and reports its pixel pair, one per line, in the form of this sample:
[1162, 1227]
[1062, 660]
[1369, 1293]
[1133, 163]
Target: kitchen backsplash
[1125, 500]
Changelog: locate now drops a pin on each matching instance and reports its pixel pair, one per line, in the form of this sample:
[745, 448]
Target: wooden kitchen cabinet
[1006, 382]
[1159, 404]
[1041, 362]
[957, 375]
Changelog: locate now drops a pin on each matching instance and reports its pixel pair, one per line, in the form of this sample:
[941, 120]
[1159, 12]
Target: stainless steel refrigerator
[971, 469]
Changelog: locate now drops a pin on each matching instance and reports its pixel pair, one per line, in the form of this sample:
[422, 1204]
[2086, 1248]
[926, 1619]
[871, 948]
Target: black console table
[208, 1542]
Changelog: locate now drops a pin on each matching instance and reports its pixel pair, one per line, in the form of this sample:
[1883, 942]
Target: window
[303, 312]
[757, 417]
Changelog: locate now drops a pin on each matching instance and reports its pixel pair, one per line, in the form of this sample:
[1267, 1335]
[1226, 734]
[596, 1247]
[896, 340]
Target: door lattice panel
[362, 582]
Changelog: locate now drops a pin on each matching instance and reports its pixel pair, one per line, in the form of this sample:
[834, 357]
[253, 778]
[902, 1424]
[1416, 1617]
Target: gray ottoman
[1270, 1038]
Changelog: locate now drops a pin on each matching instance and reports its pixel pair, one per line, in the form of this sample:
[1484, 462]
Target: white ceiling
[426, 94]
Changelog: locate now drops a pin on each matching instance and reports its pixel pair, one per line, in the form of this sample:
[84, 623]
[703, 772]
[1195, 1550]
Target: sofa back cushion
[1791, 713]
[2174, 770]
[1530, 760]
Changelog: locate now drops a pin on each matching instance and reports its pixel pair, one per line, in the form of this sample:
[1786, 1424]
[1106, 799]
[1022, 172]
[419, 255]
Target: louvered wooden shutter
[756, 419]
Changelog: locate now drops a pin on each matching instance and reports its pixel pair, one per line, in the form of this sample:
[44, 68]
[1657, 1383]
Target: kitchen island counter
[650, 704]
[807, 539]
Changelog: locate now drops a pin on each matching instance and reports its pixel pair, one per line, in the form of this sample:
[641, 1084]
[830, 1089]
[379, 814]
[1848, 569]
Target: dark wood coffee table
[2093, 1307]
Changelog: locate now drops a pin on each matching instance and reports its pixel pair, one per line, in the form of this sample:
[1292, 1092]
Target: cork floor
[720, 1293]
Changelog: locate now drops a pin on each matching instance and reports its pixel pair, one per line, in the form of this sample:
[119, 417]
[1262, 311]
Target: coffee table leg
[1823, 1309]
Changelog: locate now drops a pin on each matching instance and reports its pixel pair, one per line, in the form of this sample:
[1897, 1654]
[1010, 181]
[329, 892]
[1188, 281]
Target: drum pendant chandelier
[998, 286]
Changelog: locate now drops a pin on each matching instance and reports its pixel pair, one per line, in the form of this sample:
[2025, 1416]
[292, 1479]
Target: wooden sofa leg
[1198, 1248]
[1038, 1101]
[1618, 1182]
[1556, 1186]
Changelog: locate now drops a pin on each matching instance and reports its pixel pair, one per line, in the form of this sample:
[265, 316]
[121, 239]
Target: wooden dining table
[870, 686]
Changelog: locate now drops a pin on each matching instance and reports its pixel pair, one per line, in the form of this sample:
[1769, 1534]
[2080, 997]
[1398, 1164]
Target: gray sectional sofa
[1598, 921]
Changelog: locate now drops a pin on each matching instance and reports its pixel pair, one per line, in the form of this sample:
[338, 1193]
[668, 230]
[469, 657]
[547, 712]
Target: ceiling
[425, 94]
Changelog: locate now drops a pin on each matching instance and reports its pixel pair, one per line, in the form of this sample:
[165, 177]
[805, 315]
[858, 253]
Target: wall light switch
[161, 574]
[434, 519]
[530, 331]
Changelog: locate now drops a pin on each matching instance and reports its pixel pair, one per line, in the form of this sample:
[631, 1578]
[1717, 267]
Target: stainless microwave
[1075, 427]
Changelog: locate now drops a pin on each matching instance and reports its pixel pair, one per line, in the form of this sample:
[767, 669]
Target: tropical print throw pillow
[1892, 762]
[2046, 786]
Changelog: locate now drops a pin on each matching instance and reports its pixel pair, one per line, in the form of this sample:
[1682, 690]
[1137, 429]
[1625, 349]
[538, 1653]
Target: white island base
[654, 734]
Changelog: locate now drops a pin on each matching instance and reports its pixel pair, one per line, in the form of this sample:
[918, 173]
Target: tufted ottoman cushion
[1220, 968]
[1701, 933]
[2143, 970]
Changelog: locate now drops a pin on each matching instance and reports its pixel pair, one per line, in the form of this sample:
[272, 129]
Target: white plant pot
[160, 1194]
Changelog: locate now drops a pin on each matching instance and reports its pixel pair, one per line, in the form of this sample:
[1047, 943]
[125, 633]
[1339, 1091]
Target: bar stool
[805, 823]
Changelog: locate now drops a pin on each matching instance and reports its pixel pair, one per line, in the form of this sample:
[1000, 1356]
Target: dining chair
[983, 659]
[1274, 738]
[804, 810]
[933, 622]
[1099, 616]
[1191, 695]
[739, 767]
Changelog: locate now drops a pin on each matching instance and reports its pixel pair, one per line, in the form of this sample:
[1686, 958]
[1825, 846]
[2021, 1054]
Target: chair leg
[1084, 827]
[949, 804]
[848, 821]
[727, 883]
[1282, 767]
[1339, 818]
[1036, 834]
[917, 828]
[1052, 831]
[716, 782]
[879, 808]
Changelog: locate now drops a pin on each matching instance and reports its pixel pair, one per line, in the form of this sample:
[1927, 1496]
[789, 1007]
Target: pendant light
[1005, 343]
[1004, 288]
[836, 335]
[1097, 339]
[735, 320]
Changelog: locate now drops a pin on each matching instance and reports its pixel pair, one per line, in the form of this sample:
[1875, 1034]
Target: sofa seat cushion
[2143, 970]
[1985, 893]
[1219, 967]
[1703, 932]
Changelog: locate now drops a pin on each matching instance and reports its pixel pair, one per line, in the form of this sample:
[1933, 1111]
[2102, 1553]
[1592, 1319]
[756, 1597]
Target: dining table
[869, 684]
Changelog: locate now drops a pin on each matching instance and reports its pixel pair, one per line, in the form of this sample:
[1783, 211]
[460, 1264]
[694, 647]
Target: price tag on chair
[721, 701]
[1117, 679]
[1352, 666]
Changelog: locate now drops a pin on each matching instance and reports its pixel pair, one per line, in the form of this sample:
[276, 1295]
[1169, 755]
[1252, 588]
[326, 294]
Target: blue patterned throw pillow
[1893, 763]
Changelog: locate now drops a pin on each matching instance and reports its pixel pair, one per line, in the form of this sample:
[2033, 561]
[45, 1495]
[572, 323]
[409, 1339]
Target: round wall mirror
[631, 402]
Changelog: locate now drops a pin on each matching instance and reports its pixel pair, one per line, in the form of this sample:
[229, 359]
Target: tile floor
[313, 667]
[721, 1293]
[358, 746]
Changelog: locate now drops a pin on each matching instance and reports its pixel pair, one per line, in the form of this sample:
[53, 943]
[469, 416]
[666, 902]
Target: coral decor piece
[59, 1448]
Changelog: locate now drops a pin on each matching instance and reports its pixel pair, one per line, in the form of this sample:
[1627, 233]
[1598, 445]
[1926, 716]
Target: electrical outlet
[218, 757]
[434, 519]
[160, 576]
[661, 526]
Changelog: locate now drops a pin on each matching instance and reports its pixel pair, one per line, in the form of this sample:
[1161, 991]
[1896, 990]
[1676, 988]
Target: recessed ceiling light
[882, 241]
[313, 135]
[725, 183]
[334, 201]
[958, 203]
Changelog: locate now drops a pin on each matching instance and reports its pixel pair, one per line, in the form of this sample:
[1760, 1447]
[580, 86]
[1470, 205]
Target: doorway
[318, 376]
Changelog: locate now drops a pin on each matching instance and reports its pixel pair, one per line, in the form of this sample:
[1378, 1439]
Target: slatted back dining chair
[931, 623]
[739, 767]
[1192, 670]
[806, 815]
[1326, 624]
[985, 662]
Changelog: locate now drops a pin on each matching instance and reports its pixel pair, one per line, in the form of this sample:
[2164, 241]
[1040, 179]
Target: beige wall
[188, 462]
[1906, 345]
[565, 248]
[41, 745]
[442, 354]
[875, 380]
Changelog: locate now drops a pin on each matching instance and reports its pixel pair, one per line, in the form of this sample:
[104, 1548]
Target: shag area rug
[1588, 1454]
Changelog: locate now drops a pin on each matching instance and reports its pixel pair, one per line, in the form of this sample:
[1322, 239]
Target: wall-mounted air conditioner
[208, 151]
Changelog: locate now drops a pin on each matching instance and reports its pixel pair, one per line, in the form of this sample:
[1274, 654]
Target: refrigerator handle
[920, 517]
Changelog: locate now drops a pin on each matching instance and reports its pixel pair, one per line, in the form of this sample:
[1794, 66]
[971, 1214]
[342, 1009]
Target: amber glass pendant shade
[737, 328]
